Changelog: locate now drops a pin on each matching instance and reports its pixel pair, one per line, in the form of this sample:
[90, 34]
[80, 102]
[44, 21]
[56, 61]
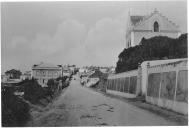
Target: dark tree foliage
[76, 70]
[15, 111]
[62, 78]
[33, 92]
[155, 48]
[52, 86]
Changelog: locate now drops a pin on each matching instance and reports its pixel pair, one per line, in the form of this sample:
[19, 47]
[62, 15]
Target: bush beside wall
[155, 48]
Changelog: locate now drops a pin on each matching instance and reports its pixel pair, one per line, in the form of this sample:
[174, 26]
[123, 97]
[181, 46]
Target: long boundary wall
[123, 84]
[167, 86]
[163, 83]
[143, 70]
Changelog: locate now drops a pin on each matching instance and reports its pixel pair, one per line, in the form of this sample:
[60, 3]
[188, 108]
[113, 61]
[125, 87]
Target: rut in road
[80, 106]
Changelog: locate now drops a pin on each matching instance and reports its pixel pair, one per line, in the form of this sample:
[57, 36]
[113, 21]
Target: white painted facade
[143, 26]
[44, 72]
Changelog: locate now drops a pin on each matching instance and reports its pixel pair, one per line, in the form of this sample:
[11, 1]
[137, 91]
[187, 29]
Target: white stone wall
[168, 86]
[122, 84]
[144, 73]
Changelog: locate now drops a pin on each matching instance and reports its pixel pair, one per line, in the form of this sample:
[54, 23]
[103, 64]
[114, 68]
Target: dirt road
[80, 106]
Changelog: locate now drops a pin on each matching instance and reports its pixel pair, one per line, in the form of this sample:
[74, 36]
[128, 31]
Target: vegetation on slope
[155, 48]
[16, 110]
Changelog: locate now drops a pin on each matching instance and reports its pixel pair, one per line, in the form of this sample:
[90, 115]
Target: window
[44, 73]
[129, 43]
[156, 26]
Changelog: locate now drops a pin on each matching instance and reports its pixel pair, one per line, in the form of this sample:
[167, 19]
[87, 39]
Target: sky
[80, 33]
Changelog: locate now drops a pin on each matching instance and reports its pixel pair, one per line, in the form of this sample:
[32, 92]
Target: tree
[13, 73]
[33, 92]
[155, 48]
[15, 111]
[52, 86]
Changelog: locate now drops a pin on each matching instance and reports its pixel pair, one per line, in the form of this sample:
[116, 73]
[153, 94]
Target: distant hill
[155, 48]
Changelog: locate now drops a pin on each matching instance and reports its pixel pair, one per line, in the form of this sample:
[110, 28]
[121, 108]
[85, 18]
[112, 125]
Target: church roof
[136, 19]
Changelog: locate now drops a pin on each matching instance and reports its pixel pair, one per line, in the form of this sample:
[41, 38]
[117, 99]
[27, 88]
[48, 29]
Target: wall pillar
[146, 87]
[139, 80]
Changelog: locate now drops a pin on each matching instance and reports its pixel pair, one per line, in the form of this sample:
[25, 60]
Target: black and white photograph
[94, 63]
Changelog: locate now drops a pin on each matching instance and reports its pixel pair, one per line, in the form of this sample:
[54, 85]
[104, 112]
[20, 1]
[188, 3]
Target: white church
[149, 26]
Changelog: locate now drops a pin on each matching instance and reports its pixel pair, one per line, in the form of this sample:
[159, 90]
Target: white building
[26, 75]
[149, 26]
[83, 70]
[43, 72]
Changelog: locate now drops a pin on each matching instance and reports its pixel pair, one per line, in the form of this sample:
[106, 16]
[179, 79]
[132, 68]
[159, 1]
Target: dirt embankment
[41, 111]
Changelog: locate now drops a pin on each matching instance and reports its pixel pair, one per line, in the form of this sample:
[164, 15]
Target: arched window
[156, 26]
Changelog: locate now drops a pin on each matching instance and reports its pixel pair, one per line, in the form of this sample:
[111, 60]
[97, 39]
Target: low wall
[144, 75]
[121, 94]
[123, 84]
[167, 86]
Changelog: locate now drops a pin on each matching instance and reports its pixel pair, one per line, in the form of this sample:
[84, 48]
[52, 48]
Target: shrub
[155, 48]
[15, 112]
[33, 92]
[52, 86]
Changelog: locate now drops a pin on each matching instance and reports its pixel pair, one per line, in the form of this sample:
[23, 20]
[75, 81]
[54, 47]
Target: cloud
[24, 52]
[105, 41]
[70, 44]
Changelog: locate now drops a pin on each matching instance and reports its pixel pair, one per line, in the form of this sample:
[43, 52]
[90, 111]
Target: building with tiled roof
[45, 71]
[149, 26]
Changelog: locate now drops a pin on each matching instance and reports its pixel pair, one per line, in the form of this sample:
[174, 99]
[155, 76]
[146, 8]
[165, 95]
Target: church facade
[149, 26]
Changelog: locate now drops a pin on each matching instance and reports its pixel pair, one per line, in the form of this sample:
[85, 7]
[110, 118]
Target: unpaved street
[80, 106]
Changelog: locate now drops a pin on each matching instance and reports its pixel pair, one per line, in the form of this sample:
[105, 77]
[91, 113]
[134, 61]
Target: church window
[156, 26]
[129, 43]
